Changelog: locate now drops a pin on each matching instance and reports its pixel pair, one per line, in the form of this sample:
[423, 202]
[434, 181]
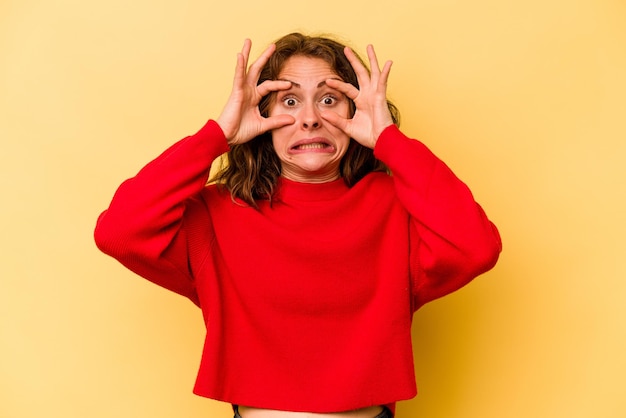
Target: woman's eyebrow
[297, 85]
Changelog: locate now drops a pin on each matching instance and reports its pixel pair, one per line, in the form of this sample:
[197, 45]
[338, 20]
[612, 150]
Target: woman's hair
[252, 169]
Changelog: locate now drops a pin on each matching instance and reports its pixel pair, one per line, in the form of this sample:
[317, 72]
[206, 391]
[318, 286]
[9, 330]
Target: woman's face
[311, 149]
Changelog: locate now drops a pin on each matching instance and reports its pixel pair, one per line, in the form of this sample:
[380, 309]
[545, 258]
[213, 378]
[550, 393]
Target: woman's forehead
[300, 69]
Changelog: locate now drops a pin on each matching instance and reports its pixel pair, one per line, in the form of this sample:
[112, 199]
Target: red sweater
[307, 303]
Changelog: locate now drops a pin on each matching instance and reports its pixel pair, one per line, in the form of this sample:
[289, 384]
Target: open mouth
[313, 145]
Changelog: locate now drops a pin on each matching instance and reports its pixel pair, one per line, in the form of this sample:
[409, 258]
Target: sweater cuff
[384, 148]
[212, 134]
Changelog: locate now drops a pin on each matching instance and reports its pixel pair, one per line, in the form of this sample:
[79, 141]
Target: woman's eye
[328, 100]
[289, 101]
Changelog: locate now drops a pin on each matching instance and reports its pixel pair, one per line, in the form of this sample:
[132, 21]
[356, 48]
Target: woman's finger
[348, 89]
[275, 122]
[245, 52]
[371, 55]
[269, 86]
[384, 75]
[255, 69]
[336, 120]
[240, 71]
[378, 76]
[362, 74]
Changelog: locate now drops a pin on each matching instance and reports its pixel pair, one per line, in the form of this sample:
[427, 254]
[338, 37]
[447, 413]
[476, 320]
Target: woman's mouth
[313, 144]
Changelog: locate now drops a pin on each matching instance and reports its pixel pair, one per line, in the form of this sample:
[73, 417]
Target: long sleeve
[143, 226]
[452, 241]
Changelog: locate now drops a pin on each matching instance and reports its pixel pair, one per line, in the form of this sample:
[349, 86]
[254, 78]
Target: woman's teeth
[315, 145]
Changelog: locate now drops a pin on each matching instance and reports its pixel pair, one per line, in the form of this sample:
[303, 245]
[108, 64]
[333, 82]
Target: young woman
[313, 246]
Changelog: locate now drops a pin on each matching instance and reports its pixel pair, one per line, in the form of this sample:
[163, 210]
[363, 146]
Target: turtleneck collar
[312, 192]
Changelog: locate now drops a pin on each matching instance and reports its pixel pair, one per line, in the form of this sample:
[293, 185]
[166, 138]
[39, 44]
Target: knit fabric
[308, 301]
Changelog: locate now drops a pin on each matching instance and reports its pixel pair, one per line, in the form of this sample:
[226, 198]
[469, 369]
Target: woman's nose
[310, 117]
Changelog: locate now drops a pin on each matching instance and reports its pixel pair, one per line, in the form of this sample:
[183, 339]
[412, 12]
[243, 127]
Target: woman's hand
[241, 119]
[372, 114]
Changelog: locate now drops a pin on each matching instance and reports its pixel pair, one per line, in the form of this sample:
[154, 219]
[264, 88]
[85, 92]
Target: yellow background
[525, 100]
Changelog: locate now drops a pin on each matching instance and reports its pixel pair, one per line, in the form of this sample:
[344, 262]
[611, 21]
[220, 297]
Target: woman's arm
[454, 239]
[143, 226]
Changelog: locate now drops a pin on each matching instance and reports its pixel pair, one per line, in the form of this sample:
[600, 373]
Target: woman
[314, 246]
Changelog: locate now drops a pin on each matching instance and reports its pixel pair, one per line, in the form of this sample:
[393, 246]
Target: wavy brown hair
[252, 169]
